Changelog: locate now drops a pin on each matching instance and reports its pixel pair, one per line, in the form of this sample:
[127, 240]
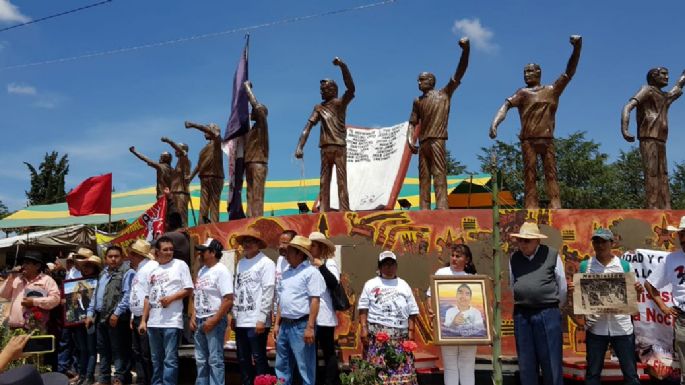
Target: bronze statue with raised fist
[430, 112]
[333, 140]
[180, 184]
[652, 129]
[210, 167]
[163, 168]
[256, 155]
[537, 105]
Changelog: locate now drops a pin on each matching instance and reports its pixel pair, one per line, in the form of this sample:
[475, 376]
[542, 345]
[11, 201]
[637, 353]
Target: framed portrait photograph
[77, 294]
[463, 315]
[608, 293]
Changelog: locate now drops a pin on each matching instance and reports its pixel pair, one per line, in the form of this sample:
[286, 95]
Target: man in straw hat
[254, 294]
[537, 278]
[109, 312]
[299, 291]
[667, 273]
[604, 329]
[29, 287]
[144, 264]
[323, 251]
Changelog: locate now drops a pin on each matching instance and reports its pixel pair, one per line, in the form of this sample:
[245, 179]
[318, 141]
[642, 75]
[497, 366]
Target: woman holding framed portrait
[459, 361]
[387, 310]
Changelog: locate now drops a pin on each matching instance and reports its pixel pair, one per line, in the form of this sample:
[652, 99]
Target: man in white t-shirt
[671, 272]
[254, 293]
[143, 263]
[281, 261]
[162, 319]
[615, 329]
[213, 300]
[299, 290]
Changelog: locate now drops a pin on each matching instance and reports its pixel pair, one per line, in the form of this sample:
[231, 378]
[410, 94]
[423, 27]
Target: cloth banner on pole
[148, 226]
[653, 330]
[377, 162]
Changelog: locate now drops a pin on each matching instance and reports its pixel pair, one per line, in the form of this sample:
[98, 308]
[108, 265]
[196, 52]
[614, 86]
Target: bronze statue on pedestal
[537, 105]
[210, 167]
[180, 184]
[431, 113]
[652, 129]
[163, 167]
[256, 155]
[333, 141]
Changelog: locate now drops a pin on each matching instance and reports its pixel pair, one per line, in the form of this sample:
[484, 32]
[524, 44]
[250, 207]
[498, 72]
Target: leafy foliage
[678, 186]
[586, 179]
[47, 182]
[454, 167]
[4, 211]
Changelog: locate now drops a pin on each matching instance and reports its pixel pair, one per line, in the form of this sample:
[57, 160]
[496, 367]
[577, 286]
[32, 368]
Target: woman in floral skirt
[387, 311]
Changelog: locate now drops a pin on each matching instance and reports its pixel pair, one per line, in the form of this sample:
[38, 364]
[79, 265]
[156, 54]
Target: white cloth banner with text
[653, 330]
[374, 157]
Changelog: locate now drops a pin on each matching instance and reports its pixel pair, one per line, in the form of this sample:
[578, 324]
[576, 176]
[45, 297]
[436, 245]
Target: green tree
[627, 180]
[4, 211]
[678, 186]
[508, 160]
[454, 167]
[47, 182]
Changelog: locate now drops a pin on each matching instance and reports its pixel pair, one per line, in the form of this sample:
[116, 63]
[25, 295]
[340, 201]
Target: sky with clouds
[95, 108]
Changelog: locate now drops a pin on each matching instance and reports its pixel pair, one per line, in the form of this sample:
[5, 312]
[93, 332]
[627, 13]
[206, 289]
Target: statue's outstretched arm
[577, 43]
[499, 118]
[174, 145]
[142, 157]
[625, 120]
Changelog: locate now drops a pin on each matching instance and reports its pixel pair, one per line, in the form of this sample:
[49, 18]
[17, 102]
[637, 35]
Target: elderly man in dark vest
[537, 278]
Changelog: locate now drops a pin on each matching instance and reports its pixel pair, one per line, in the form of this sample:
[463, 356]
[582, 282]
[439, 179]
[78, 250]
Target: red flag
[92, 196]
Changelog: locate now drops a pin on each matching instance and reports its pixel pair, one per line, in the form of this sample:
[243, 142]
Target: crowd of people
[135, 315]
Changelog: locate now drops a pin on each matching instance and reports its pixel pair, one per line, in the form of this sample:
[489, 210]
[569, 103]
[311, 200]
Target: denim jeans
[209, 353]
[596, 348]
[539, 345]
[87, 347]
[114, 346]
[251, 349]
[164, 351]
[291, 347]
[65, 355]
[141, 354]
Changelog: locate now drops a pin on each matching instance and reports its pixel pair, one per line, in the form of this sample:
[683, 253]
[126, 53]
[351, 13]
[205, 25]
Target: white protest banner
[377, 161]
[653, 330]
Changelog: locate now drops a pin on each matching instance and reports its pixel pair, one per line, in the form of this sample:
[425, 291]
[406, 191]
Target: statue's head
[329, 89]
[165, 157]
[260, 106]
[216, 131]
[657, 77]
[426, 81]
[184, 147]
[532, 74]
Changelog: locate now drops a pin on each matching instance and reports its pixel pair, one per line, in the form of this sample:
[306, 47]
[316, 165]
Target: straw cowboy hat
[83, 253]
[94, 259]
[319, 237]
[141, 247]
[529, 230]
[680, 227]
[302, 243]
[250, 233]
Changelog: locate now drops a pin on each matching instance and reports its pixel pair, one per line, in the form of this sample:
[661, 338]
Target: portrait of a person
[464, 320]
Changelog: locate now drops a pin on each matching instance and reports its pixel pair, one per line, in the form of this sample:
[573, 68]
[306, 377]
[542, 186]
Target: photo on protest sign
[462, 313]
[609, 293]
[77, 295]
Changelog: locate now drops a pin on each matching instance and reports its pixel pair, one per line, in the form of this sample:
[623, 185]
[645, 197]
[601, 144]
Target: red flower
[265, 379]
[37, 315]
[382, 337]
[409, 346]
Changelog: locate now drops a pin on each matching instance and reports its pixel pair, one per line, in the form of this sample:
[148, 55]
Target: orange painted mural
[422, 241]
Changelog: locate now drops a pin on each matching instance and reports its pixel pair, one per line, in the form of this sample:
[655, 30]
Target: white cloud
[21, 89]
[480, 36]
[10, 13]
[49, 100]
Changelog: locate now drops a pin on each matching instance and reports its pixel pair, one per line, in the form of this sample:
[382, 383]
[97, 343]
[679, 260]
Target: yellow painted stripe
[30, 214]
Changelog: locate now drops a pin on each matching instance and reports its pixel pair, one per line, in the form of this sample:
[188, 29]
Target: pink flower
[382, 337]
[409, 346]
